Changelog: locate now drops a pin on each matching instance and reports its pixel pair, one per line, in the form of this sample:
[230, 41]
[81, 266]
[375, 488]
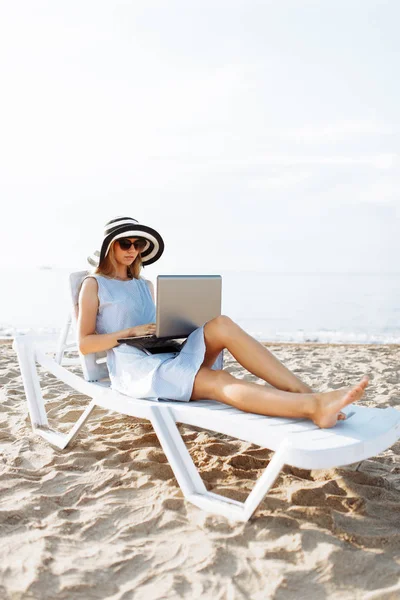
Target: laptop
[183, 303]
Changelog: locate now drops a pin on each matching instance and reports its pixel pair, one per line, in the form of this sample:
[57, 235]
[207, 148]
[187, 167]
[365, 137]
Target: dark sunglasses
[125, 244]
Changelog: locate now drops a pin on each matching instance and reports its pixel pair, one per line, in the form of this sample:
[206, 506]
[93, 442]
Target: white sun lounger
[297, 442]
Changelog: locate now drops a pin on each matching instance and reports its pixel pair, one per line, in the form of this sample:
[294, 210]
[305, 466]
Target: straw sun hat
[123, 227]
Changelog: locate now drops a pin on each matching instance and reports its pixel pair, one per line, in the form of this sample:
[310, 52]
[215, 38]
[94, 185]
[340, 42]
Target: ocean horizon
[359, 308]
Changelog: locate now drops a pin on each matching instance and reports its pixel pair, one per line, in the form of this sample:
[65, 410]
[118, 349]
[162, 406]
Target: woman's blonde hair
[108, 266]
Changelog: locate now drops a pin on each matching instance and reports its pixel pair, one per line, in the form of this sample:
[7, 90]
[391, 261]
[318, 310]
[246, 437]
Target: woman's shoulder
[90, 282]
[88, 290]
[144, 280]
[97, 278]
[91, 279]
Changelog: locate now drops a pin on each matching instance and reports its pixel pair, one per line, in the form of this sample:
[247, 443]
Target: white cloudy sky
[257, 135]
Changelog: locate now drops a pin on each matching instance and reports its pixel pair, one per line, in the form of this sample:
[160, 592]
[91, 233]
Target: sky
[260, 136]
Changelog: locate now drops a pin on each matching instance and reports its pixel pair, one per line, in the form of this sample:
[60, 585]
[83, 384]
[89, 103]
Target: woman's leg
[222, 332]
[322, 408]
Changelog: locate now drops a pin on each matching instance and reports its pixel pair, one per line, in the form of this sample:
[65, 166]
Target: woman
[116, 302]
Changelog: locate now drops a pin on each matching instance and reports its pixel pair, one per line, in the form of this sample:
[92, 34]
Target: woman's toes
[365, 381]
[360, 389]
[351, 396]
[341, 416]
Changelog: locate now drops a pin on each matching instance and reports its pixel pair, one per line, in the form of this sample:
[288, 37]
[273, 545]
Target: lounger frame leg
[27, 357]
[61, 440]
[30, 379]
[189, 479]
[62, 342]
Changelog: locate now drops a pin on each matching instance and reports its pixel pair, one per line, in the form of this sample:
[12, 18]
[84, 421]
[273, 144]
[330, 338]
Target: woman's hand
[140, 330]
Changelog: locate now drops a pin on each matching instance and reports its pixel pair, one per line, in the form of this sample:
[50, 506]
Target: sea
[355, 308]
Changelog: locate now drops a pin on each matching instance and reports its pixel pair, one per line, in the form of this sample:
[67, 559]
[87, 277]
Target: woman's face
[125, 257]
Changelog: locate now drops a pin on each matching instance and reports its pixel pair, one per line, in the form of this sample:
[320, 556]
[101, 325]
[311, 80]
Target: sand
[105, 517]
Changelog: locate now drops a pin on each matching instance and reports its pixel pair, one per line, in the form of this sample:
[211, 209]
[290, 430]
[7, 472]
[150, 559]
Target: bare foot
[328, 405]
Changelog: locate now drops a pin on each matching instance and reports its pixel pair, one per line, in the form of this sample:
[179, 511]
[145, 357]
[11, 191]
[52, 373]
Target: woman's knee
[223, 321]
[220, 326]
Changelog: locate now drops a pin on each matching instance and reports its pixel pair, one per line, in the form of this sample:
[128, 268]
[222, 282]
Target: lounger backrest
[92, 369]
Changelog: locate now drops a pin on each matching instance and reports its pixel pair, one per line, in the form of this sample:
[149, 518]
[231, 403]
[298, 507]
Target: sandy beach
[105, 518]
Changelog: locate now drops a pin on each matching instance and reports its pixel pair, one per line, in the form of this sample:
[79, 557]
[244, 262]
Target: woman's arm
[89, 341]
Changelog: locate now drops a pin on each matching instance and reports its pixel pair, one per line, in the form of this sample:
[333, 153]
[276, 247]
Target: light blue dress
[168, 376]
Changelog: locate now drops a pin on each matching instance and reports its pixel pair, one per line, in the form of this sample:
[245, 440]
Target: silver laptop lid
[185, 302]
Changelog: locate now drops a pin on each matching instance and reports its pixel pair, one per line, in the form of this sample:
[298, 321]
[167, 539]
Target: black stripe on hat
[118, 222]
[117, 219]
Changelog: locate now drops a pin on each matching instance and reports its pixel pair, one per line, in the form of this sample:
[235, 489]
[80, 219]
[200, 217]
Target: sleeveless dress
[167, 376]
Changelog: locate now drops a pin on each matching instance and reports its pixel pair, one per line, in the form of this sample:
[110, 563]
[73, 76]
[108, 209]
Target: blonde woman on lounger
[116, 302]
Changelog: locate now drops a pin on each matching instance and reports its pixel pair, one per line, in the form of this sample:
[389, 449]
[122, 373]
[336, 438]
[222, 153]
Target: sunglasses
[125, 244]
